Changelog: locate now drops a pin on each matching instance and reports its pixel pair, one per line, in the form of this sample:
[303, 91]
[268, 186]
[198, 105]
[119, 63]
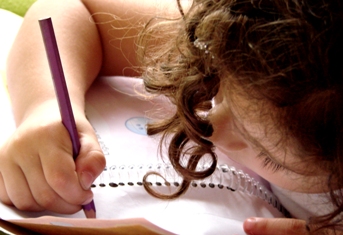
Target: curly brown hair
[285, 53]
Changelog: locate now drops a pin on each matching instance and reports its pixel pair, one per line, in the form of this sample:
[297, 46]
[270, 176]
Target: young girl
[259, 80]
[274, 71]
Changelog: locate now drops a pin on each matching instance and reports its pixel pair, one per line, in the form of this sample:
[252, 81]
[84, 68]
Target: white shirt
[303, 205]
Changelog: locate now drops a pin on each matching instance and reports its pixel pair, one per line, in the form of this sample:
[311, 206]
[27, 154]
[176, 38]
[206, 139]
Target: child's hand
[37, 167]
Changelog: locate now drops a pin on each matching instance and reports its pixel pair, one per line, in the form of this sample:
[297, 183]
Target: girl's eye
[268, 163]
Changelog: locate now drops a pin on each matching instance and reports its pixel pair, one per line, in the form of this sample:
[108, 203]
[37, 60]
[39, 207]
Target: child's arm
[37, 168]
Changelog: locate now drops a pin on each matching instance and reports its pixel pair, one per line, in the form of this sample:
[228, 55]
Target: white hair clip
[201, 45]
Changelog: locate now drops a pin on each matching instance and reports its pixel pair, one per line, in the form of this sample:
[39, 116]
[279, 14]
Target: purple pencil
[62, 93]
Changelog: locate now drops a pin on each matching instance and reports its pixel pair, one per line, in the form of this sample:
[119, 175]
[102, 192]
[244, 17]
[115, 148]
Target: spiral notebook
[119, 109]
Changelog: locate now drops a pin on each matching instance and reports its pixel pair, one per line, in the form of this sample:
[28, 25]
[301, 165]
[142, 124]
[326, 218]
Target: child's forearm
[94, 37]
[28, 74]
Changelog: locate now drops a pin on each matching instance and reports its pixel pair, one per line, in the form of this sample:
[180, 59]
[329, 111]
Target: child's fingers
[17, 191]
[280, 226]
[52, 154]
[59, 172]
[39, 172]
[3, 193]
[27, 186]
[34, 194]
[48, 197]
[48, 169]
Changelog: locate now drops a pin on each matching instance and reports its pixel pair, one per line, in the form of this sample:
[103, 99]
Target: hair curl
[287, 53]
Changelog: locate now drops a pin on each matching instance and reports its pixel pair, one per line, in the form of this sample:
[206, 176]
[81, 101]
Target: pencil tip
[90, 214]
[89, 210]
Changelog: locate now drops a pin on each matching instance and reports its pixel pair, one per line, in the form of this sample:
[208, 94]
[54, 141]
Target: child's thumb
[89, 166]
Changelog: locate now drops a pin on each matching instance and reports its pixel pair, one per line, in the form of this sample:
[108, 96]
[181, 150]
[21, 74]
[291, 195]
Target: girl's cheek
[224, 134]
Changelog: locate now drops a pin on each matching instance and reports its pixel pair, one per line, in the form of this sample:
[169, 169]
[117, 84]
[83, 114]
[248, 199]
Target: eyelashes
[269, 163]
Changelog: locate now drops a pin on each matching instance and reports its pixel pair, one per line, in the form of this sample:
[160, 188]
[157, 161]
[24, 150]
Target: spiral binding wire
[224, 177]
